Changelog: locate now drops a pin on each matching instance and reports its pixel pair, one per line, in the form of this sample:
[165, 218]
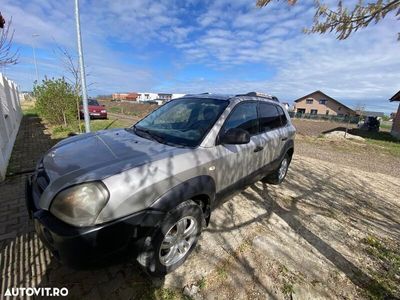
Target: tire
[277, 176]
[173, 240]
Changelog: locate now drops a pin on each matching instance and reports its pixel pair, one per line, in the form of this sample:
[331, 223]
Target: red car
[96, 110]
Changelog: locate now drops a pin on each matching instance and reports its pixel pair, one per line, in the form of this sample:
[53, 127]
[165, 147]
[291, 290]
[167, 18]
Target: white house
[160, 98]
[146, 96]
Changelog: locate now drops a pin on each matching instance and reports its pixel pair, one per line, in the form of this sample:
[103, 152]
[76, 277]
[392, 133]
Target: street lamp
[82, 67]
[34, 57]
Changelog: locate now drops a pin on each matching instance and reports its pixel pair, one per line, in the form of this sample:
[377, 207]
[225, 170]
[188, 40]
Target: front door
[236, 162]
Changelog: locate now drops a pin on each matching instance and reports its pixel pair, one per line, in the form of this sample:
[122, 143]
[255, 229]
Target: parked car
[96, 110]
[370, 124]
[151, 188]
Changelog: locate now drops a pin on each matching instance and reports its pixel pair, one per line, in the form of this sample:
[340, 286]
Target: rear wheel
[277, 176]
[173, 240]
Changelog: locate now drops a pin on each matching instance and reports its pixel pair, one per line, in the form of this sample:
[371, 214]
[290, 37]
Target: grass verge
[386, 268]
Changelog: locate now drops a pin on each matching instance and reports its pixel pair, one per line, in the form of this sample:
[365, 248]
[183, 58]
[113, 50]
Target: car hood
[98, 155]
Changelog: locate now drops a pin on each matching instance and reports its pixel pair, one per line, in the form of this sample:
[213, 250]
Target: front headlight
[81, 204]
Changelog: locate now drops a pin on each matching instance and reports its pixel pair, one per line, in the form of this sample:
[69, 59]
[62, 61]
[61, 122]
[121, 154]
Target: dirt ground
[316, 127]
[138, 110]
[376, 154]
[314, 237]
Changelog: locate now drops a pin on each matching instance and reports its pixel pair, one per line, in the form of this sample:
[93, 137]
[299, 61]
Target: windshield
[93, 102]
[182, 122]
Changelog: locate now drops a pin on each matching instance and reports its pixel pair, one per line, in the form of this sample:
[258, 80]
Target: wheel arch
[200, 189]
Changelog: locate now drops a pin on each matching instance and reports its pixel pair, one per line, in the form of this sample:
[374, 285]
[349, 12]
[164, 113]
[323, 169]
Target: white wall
[10, 119]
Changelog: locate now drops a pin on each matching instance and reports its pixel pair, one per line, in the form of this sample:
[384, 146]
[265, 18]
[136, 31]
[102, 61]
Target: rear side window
[244, 116]
[282, 115]
[269, 117]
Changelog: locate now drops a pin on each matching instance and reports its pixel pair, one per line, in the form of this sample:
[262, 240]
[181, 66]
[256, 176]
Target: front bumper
[98, 115]
[81, 246]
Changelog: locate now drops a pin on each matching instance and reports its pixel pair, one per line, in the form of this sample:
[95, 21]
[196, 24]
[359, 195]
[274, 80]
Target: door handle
[284, 139]
[258, 148]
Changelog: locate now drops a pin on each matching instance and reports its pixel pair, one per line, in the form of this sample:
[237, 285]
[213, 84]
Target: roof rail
[262, 95]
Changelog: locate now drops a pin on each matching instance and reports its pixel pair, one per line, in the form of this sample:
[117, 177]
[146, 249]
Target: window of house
[301, 110]
[244, 116]
[339, 108]
[322, 101]
[309, 101]
[269, 117]
[314, 111]
[327, 112]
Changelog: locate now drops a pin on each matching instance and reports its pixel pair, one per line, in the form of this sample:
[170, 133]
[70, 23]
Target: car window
[269, 117]
[244, 116]
[93, 102]
[282, 116]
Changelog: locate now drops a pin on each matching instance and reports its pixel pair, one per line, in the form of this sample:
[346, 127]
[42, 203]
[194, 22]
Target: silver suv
[150, 189]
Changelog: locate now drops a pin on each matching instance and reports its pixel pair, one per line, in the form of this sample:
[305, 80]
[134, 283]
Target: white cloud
[124, 43]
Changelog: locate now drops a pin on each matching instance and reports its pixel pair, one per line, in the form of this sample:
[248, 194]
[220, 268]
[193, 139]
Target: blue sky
[195, 46]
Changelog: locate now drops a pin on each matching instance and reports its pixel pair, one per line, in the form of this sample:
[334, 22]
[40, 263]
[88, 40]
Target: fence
[342, 119]
[10, 119]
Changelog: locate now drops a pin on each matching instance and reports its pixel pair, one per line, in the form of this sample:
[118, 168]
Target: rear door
[270, 132]
[238, 161]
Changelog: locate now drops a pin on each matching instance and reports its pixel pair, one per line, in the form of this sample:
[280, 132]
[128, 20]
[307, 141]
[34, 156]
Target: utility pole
[82, 68]
[34, 57]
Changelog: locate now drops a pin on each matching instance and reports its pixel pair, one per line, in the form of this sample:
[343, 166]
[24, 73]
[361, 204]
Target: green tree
[56, 101]
[343, 20]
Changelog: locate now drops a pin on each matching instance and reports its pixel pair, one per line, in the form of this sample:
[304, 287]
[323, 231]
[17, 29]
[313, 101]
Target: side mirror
[235, 136]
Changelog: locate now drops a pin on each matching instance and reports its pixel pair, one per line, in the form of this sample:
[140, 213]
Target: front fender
[194, 187]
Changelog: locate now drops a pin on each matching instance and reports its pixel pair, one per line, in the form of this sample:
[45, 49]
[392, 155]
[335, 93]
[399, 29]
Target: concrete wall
[10, 119]
[396, 125]
[331, 107]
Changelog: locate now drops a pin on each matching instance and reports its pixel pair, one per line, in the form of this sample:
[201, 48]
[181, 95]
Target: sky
[196, 46]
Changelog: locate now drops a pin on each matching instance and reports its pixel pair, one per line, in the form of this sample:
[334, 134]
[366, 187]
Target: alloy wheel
[178, 241]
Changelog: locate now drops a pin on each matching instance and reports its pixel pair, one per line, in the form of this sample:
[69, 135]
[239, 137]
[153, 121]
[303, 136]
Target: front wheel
[277, 176]
[173, 240]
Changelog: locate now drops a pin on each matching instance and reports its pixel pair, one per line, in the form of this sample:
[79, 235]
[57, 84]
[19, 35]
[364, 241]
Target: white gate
[10, 118]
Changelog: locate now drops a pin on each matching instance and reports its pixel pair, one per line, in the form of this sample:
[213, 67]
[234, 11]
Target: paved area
[31, 143]
[303, 239]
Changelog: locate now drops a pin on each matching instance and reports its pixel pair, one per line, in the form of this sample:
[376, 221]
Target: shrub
[56, 101]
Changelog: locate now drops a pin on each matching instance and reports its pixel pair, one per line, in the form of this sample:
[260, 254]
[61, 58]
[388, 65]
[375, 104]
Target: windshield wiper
[154, 136]
[150, 134]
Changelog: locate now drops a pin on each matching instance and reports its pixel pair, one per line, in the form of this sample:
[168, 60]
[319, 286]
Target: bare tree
[8, 56]
[345, 21]
[70, 65]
